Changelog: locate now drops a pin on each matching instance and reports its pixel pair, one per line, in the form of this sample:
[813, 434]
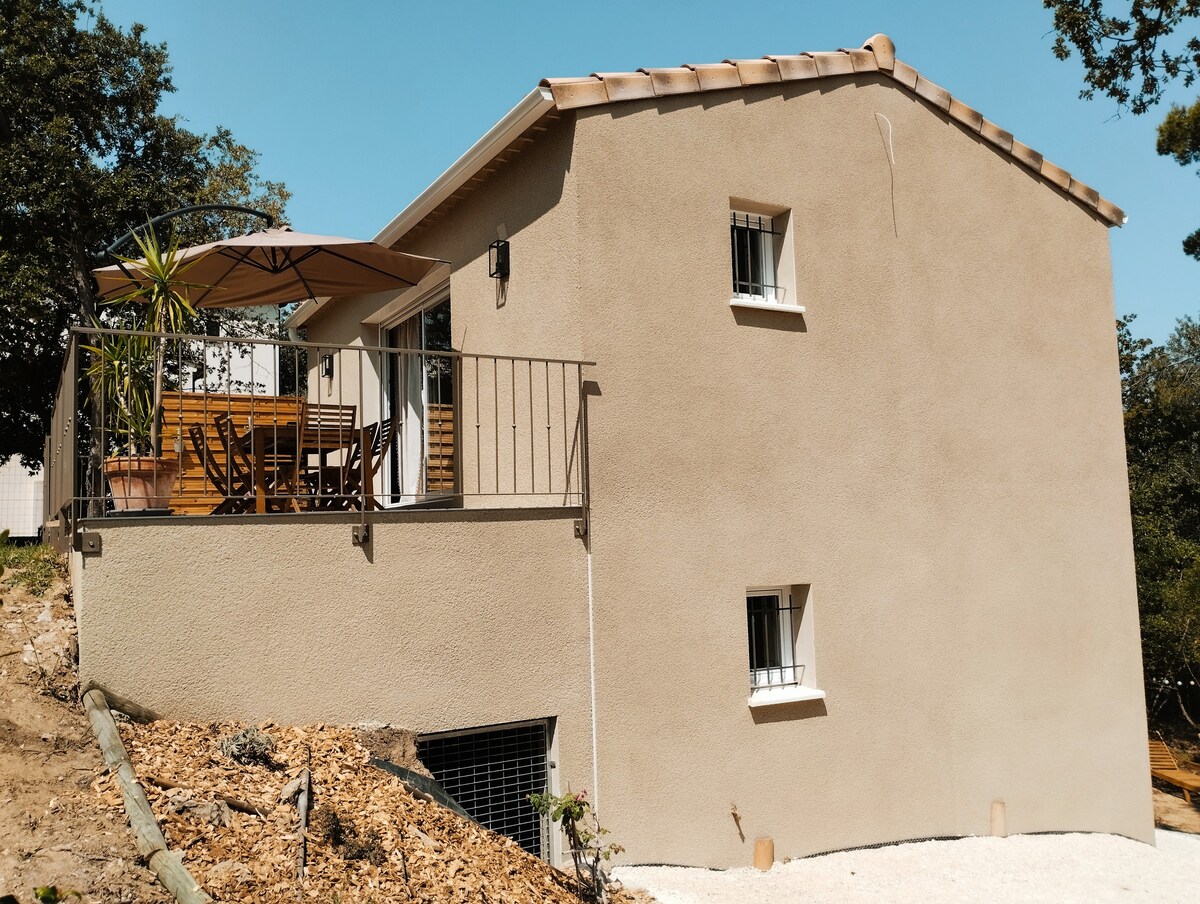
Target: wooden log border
[146, 833]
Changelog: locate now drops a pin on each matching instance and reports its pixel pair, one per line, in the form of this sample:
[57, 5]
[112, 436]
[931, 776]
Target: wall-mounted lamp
[327, 366]
[498, 259]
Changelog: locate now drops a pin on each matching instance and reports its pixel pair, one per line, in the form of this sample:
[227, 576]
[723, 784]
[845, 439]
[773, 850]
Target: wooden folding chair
[359, 482]
[350, 485]
[231, 484]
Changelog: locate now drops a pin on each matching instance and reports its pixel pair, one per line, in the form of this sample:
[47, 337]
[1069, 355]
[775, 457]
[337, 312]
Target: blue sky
[358, 106]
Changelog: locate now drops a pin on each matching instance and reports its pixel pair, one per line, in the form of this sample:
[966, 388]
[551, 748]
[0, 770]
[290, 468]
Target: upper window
[761, 261]
[780, 635]
[753, 250]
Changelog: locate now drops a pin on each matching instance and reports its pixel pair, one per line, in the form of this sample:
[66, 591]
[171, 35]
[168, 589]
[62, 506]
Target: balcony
[187, 426]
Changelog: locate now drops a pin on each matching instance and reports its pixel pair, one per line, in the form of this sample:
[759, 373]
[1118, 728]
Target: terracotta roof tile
[715, 76]
[905, 75]
[935, 94]
[673, 81]
[1110, 211]
[795, 67]
[834, 63]
[626, 85]
[997, 136]
[576, 92]
[1027, 155]
[1056, 174]
[884, 50]
[756, 72]
[878, 53]
[972, 119]
[1084, 193]
[862, 60]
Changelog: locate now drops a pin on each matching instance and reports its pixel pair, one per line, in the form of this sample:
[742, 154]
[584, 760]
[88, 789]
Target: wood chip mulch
[407, 849]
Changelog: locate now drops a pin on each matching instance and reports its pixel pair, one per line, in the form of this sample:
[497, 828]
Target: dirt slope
[54, 830]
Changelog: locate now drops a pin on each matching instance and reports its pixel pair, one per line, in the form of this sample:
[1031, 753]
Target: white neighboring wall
[240, 366]
[20, 500]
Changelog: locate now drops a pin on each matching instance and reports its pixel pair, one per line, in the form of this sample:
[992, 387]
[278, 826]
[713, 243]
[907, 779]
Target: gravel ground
[1022, 869]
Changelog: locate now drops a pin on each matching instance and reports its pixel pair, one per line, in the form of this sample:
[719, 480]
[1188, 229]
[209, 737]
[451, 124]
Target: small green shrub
[33, 567]
[585, 836]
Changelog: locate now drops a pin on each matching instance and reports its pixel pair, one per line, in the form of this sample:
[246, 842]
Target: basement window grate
[491, 773]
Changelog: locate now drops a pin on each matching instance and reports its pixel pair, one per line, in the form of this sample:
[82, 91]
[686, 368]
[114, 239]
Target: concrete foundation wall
[284, 619]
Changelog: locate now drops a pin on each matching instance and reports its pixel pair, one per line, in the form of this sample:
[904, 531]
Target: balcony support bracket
[88, 542]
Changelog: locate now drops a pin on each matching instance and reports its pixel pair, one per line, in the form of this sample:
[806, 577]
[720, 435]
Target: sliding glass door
[421, 406]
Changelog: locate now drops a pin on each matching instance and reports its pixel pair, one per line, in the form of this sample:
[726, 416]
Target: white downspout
[592, 677]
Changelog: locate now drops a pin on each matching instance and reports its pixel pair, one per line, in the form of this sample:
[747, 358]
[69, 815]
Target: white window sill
[766, 305]
[770, 696]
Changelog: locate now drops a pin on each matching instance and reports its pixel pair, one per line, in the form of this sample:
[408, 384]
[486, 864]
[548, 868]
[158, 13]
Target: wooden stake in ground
[146, 833]
[302, 802]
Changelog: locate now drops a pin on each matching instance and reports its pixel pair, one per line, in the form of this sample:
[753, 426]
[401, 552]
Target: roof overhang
[533, 106]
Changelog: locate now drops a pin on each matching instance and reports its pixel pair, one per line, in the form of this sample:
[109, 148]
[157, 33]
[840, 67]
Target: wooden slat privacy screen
[439, 466]
[193, 494]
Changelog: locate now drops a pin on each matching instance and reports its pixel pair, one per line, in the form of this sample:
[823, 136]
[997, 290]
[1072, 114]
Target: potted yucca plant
[127, 373]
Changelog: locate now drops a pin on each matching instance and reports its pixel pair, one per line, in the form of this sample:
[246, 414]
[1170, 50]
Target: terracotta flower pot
[140, 482]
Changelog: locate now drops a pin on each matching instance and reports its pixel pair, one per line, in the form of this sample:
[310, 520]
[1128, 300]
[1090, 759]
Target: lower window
[780, 636]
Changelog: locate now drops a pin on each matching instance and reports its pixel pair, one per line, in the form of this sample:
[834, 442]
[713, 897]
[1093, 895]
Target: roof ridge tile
[833, 62]
[714, 76]
[673, 80]
[626, 85]
[794, 67]
[757, 72]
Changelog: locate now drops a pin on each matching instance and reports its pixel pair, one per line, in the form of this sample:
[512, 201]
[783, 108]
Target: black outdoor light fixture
[498, 259]
[327, 366]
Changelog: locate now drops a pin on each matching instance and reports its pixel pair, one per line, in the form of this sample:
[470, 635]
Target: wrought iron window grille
[772, 624]
[752, 239]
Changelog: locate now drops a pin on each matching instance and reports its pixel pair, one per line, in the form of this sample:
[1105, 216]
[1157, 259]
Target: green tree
[85, 155]
[1131, 57]
[1162, 435]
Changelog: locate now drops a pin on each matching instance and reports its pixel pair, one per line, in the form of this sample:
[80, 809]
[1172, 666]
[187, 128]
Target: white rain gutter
[532, 107]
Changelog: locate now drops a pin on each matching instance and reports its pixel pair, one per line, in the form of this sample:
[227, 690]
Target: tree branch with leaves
[1132, 57]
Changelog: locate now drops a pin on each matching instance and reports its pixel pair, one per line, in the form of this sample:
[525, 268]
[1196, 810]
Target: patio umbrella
[277, 266]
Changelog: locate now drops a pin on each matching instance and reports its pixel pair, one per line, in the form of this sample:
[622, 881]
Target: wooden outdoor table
[288, 441]
[269, 439]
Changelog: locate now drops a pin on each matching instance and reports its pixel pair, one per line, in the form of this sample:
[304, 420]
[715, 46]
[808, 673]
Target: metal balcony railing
[166, 424]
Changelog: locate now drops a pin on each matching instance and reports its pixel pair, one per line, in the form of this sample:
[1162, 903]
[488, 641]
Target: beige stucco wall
[935, 446]
[284, 618]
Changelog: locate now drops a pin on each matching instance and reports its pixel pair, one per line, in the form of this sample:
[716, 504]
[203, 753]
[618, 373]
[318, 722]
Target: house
[20, 501]
[774, 486]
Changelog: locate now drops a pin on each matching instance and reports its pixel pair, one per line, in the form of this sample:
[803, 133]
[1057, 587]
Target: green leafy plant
[126, 372]
[585, 836]
[49, 894]
[121, 373]
[34, 567]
